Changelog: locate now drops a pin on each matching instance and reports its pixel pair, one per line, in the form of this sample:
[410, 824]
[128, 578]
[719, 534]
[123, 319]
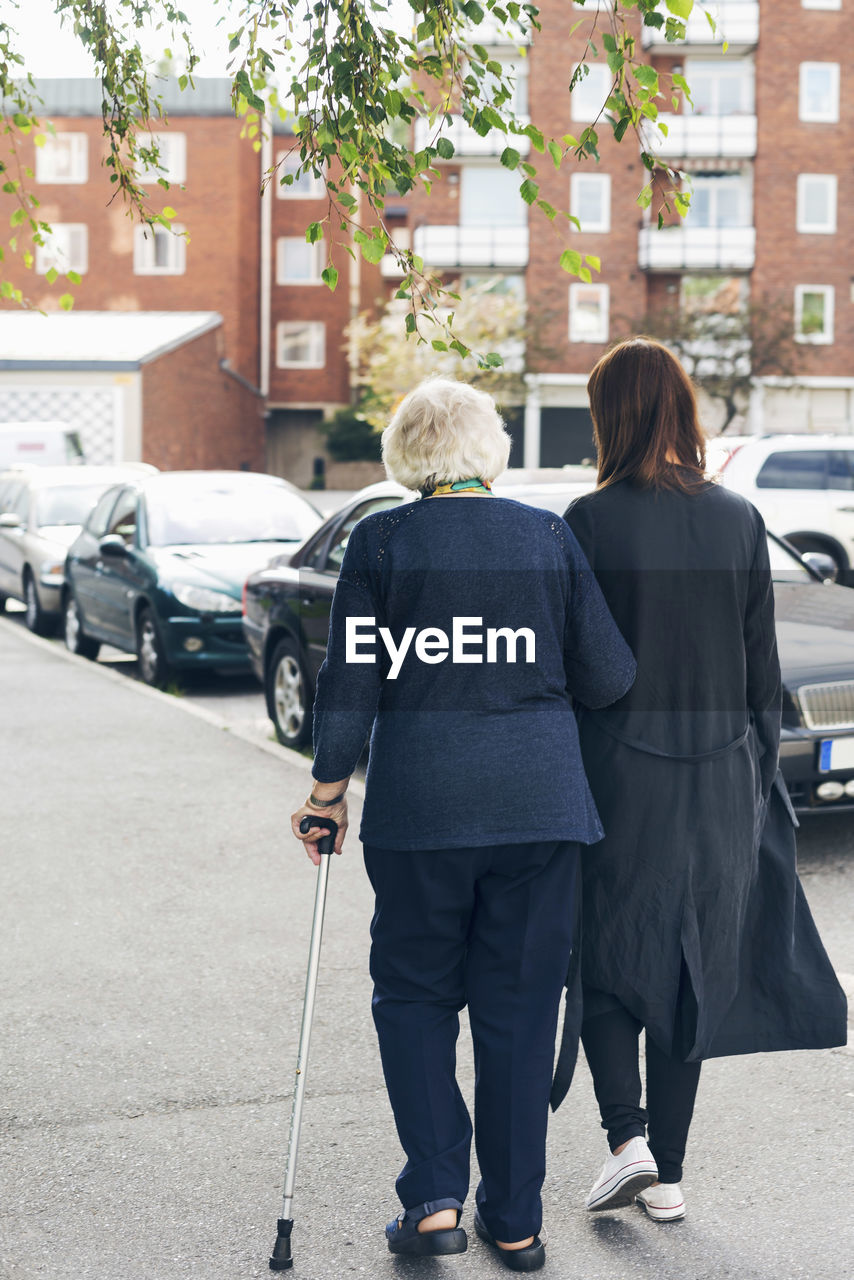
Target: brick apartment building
[768, 142]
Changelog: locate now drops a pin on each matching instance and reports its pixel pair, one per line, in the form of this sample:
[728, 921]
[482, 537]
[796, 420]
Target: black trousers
[490, 928]
[611, 1046]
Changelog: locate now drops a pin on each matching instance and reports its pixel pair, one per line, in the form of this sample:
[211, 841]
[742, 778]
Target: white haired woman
[461, 625]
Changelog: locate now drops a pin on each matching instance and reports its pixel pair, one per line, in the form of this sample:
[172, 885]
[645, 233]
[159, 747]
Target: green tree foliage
[353, 85]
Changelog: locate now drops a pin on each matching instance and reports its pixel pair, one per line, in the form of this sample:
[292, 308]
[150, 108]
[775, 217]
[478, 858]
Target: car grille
[828, 706]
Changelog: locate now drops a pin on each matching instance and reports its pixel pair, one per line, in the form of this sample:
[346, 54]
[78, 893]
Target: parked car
[41, 513]
[286, 622]
[45, 444]
[158, 568]
[804, 487]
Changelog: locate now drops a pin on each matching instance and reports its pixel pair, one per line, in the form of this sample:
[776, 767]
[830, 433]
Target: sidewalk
[155, 929]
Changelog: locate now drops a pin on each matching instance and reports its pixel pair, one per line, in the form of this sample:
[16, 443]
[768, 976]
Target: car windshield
[66, 504]
[222, 511]
[786, 566]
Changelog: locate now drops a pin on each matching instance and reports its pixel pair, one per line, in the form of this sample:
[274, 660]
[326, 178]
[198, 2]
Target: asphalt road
[155, 925]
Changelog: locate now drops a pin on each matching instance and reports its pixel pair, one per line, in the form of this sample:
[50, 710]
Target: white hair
[445, 431]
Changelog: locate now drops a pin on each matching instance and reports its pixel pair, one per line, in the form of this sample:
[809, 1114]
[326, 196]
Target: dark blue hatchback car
[159, 567]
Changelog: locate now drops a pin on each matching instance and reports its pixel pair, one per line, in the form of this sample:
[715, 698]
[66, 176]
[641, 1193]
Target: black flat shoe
[403, 1236]
[531, 1258]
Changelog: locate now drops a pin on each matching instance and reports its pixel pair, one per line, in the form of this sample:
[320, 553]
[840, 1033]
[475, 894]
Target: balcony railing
[737, 22]
[468, 143]
[491, 32]
[700, 137]
[455, 246]
[682, 248]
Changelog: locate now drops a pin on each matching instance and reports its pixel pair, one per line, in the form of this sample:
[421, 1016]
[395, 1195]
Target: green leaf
[593, 261]
[529, 191]
[548, 209]
[445, 148]
[40, 139]
[620, 128]
[510, 158]
[66, 302]
[645, 197]
[682, 8]
[538, 142]
[473, 11]
[555, 153]
[329, 276]
[169, 212]
[438, 345]
[570, 261]
[314, 232]
[374, 250]
[410, 322]
[73, 277]
[647, 77]
[51, 275]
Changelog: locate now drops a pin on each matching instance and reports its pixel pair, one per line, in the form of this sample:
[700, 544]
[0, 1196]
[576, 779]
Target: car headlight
[204, 600]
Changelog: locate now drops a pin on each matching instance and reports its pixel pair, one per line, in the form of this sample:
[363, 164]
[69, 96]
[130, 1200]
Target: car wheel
[290, 699]
[35, 617]
[3, 600]
[76, 640]
[150, 654]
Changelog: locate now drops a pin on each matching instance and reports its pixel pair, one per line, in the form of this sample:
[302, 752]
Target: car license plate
[835, 754]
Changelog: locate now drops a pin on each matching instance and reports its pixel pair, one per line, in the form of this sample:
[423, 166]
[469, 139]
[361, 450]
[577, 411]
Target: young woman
[682, 769]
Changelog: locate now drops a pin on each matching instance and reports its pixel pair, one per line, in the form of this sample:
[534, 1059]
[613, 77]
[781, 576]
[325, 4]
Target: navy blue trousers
[490, 928]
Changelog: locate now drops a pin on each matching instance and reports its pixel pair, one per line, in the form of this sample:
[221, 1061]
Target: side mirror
[822, 564]
[9, 520]
[112, 547]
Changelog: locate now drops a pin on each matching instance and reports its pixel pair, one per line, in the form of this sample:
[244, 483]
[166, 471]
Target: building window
[63, 158]
[721, 88]
[298, 262]
[590, 201]
[821, 4]
[517, 73]
[172, 152]
[819, 91]
[499, 284]
[817, 202]
[721, 297]
[300, 344]
[489, 197]
[720, 200]
[305, 187]
[588, 313]
[590, 93]
[66, 249]
[158, 252]
[814, 312]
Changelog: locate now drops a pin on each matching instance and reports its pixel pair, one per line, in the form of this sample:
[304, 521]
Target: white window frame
[317, 261]
[603, 181]
[821, 4]
[742, 70]
[317, 344]
[287, 162]
[832, 115]
[826, 336]
[738, 180]
[74, 257]
[173, 155]
[599, 71]
[144, 261]
[829, 227]
[604, 312]
[78, 147]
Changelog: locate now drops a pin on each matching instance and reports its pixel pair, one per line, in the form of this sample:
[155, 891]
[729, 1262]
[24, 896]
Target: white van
[43, 444]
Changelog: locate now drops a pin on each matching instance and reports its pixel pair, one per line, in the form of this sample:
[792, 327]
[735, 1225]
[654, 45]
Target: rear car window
[797, 469]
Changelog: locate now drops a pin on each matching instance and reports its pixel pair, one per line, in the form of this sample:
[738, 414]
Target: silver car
[41, 513]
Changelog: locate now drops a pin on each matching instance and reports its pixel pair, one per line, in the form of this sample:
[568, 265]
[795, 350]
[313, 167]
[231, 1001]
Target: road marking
[285, 754]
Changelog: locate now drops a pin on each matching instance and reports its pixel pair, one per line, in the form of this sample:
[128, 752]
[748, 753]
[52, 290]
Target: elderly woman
[462, 623]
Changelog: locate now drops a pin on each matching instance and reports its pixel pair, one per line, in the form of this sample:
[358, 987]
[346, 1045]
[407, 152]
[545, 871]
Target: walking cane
[281, 1258]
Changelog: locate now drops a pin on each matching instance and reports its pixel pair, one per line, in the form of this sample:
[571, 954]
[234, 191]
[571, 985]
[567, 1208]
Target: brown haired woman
[682, 770]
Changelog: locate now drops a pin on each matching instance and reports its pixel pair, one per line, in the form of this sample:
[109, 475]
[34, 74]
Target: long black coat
[682, 770]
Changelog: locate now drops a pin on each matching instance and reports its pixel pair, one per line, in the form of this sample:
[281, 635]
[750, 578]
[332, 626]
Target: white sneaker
[663, 1202]
[623, 1176]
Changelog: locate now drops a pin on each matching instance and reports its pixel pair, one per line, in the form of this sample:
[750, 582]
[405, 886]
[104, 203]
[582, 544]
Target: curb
[58, 650]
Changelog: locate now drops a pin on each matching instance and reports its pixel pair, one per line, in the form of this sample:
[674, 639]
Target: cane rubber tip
[280, 1259]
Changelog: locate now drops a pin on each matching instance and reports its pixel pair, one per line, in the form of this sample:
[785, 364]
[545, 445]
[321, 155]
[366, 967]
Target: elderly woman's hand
[317, 806]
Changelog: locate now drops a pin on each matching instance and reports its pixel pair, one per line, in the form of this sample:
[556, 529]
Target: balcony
[468, 143]
[492, 33]
[455, 246]
[683, 248]
[694, 137]
[737, 23]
